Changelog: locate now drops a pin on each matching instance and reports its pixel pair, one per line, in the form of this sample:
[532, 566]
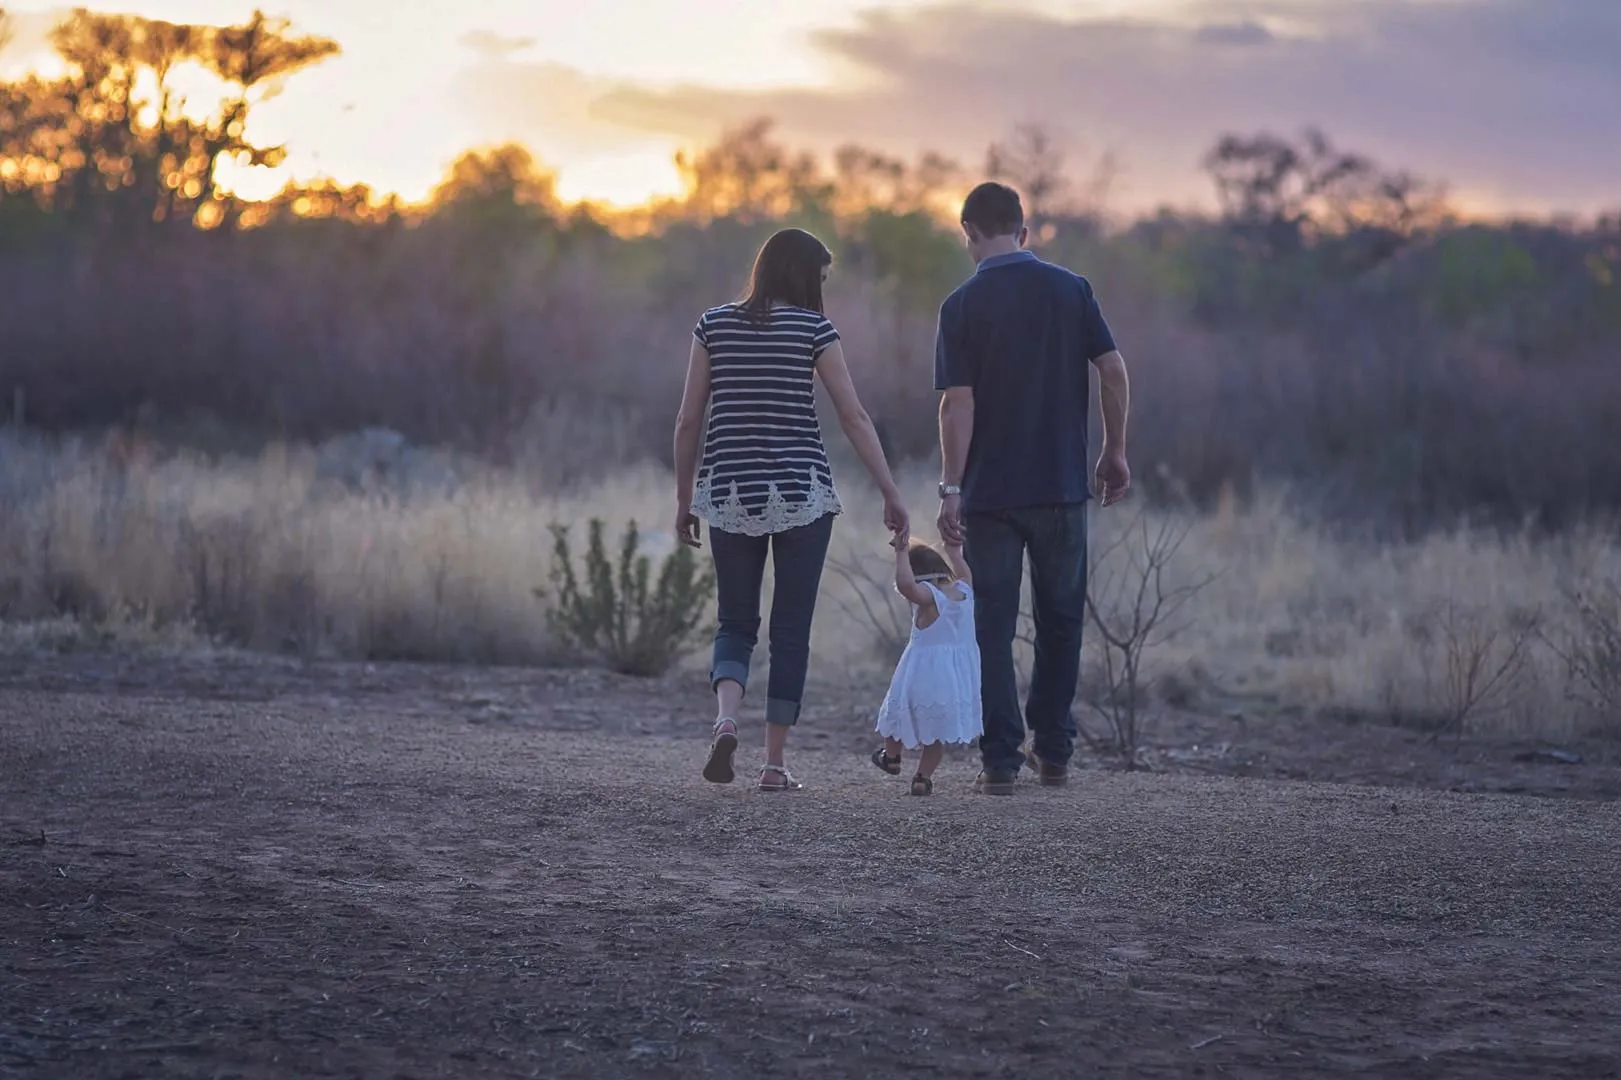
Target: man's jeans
[1055, 537]
[797, 558]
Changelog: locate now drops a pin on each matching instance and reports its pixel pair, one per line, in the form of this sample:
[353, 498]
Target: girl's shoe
[718, 769]
[922, 785]
[784, 780]
[891, 765]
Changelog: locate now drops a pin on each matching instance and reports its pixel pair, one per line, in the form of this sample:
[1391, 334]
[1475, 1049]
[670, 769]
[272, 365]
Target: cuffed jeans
[996, 544]
[797, 558]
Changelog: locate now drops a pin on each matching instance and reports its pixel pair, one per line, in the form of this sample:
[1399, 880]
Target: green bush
[618, 615]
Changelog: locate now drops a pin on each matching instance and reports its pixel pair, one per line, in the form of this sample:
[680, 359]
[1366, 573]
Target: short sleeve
[701, 331]
[826, 335]
[1099, 338]
[953, 363]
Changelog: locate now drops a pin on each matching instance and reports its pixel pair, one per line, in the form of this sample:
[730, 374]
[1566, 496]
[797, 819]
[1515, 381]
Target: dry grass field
[355, 552]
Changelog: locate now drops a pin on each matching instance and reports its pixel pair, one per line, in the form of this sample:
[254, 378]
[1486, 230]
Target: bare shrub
[872, 605]
[636, 626]
[1477, 662]
[1133, 607]
[1591, 648]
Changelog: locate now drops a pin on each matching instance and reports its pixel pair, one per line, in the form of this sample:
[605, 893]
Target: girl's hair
[788, 270]
[927, 562]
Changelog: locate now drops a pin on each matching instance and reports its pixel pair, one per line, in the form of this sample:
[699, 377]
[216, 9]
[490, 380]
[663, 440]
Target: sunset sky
[1515, 103]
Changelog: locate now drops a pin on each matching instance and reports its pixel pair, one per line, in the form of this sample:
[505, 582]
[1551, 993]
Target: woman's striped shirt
[764, 468]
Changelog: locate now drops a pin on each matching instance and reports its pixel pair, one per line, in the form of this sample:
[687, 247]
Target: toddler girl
[934, 697]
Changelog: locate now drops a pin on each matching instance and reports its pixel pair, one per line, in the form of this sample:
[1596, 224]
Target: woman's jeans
[797, 558]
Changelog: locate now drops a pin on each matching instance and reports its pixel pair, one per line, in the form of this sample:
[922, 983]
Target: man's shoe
[995, 783]
[1049, 775]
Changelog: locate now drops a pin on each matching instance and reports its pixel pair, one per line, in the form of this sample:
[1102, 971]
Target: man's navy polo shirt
[1022, 333]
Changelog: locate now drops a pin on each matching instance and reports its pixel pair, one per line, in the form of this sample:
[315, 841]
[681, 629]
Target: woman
[764, 484]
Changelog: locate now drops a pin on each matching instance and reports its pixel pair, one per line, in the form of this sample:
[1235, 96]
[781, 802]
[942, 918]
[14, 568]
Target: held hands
[950, 520]
[896, 519]
[1112, 479]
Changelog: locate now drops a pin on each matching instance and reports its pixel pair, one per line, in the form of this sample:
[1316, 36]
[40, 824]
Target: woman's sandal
[922, 785]
[787, 783]
[891, 765]
[718, 769]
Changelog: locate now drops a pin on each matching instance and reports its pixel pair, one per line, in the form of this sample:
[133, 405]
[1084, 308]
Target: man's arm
[956, 432]
[954, 377]
[1114, 398]
[1112, 478]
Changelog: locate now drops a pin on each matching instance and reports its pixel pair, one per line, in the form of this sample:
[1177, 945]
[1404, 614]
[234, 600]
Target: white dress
[934, 696]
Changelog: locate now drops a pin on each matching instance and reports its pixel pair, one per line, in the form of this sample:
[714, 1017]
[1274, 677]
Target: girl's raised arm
[905, 583]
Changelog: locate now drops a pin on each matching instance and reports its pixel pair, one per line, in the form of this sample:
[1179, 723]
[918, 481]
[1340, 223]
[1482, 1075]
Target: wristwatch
[948, 490]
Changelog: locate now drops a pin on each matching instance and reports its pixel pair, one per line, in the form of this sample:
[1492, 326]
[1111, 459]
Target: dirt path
[369, 874]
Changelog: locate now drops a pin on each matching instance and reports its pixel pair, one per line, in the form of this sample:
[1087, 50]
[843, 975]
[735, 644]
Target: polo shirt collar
[1022, 255]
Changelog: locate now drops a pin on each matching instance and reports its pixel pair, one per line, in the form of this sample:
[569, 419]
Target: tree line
[1333, 326]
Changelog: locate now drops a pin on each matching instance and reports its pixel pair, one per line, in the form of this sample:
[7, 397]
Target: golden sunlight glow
[392, 110]
[420, 81]
[623, 180]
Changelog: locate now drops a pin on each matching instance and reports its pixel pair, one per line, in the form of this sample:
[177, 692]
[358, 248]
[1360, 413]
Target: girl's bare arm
[959, 565]
[906, 584]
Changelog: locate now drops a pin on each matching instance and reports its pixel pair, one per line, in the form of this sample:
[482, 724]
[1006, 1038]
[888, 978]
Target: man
[1010, 360]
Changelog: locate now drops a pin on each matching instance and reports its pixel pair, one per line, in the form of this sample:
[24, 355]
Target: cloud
[1509, 101]
[1247, 32]
[553, 108]
[497, 47]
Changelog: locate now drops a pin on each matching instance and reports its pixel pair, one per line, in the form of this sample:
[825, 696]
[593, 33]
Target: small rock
[1553, 755]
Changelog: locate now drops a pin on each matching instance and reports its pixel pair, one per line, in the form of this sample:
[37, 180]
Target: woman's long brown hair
[788, 270]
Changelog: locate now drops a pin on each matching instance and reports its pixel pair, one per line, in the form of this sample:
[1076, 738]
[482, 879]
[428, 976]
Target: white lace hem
[778, 515]
[920, 723]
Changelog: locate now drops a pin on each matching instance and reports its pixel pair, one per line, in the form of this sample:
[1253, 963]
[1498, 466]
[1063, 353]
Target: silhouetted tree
[323, 200]
[865, 180]
[748, 177]
[503, 179]
[1055, 198]
[115, 140]
[1032, 163]
[1280, 194]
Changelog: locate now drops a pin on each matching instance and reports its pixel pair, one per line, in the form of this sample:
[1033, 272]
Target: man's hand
[1113, 476]
[950, 520]
[686, 527]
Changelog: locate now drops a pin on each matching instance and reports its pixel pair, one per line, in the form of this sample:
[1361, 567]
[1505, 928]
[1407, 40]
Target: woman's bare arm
[853, 418]
[689, 423]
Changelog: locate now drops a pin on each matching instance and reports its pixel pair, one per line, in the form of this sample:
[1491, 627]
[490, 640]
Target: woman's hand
[686, 526]
[896, 519]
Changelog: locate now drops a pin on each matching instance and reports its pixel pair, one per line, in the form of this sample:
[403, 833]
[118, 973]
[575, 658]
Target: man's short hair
[993, 210]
